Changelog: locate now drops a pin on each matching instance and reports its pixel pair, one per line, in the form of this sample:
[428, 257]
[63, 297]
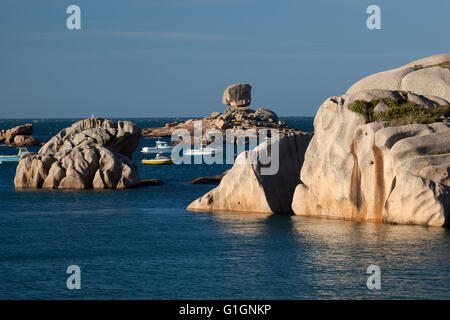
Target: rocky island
[236, 116]
[92, 153]
[380, 152]
[20, 136]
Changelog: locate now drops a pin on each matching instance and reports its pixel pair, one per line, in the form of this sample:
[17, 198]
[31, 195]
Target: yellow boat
[157, 160]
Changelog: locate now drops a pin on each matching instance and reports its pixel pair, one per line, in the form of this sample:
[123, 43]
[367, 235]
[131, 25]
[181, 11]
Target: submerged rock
[245, 189]
[150, 182]
[92, 153]
[209, 179]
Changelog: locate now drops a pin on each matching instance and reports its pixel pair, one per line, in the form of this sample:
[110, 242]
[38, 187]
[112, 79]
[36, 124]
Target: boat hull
[9, 159]
[156, 150]
[157, 162]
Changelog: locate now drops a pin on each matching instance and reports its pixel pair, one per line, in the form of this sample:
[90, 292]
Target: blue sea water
[142, 244]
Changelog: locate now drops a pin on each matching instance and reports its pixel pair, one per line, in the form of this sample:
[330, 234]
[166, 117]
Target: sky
[174, 58]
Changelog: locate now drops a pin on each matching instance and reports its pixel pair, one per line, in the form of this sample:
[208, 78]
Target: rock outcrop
[150, 182]
[373, 170]
[20, 136]
[25, 141]
[123, 136]
[428, 77]
[246, 189]
[232, 118]
[92, 153]
[237, 95]
[236, 117]
[209, 179]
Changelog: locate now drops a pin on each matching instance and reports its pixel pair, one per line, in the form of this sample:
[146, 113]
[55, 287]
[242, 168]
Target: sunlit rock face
[237, 95]
[20, 136]
[360, 170]
[92, 153]
[429, 76]
[245, 188]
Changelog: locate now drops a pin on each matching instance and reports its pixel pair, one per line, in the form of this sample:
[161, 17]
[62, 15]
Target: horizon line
[162, 117]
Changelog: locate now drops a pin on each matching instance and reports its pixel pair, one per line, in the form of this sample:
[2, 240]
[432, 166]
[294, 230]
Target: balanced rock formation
[245, 188]
[237, 95]
[235, 117]
[368, 160]
[20, 136]
[92, 153]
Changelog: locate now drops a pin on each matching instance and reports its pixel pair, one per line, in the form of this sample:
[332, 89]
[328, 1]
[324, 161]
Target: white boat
[14, 157]
[202, 150]
[159, 159]
[160, 147]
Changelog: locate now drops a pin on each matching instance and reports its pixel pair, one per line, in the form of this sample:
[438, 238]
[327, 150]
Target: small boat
[14, 157]
[202, 150]
[161, 147]
[159, 159]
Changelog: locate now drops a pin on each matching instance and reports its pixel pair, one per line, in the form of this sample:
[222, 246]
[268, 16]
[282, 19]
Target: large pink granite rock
[92, 153]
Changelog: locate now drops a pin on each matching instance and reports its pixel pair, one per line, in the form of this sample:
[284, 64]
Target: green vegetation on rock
[400, 112]
[364, 107]
[445, 64]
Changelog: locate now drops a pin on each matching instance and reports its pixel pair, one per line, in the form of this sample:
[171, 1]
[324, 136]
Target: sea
[142, 243]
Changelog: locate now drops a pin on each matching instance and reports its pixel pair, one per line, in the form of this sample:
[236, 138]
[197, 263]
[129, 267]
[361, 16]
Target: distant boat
[14, 158]
[203, 150]
[159, 159]
[161, 147]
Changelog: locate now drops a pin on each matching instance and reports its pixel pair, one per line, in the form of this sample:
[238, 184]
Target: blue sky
[136, 58]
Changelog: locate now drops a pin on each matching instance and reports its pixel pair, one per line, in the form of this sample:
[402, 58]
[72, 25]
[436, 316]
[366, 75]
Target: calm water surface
[142, 243]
